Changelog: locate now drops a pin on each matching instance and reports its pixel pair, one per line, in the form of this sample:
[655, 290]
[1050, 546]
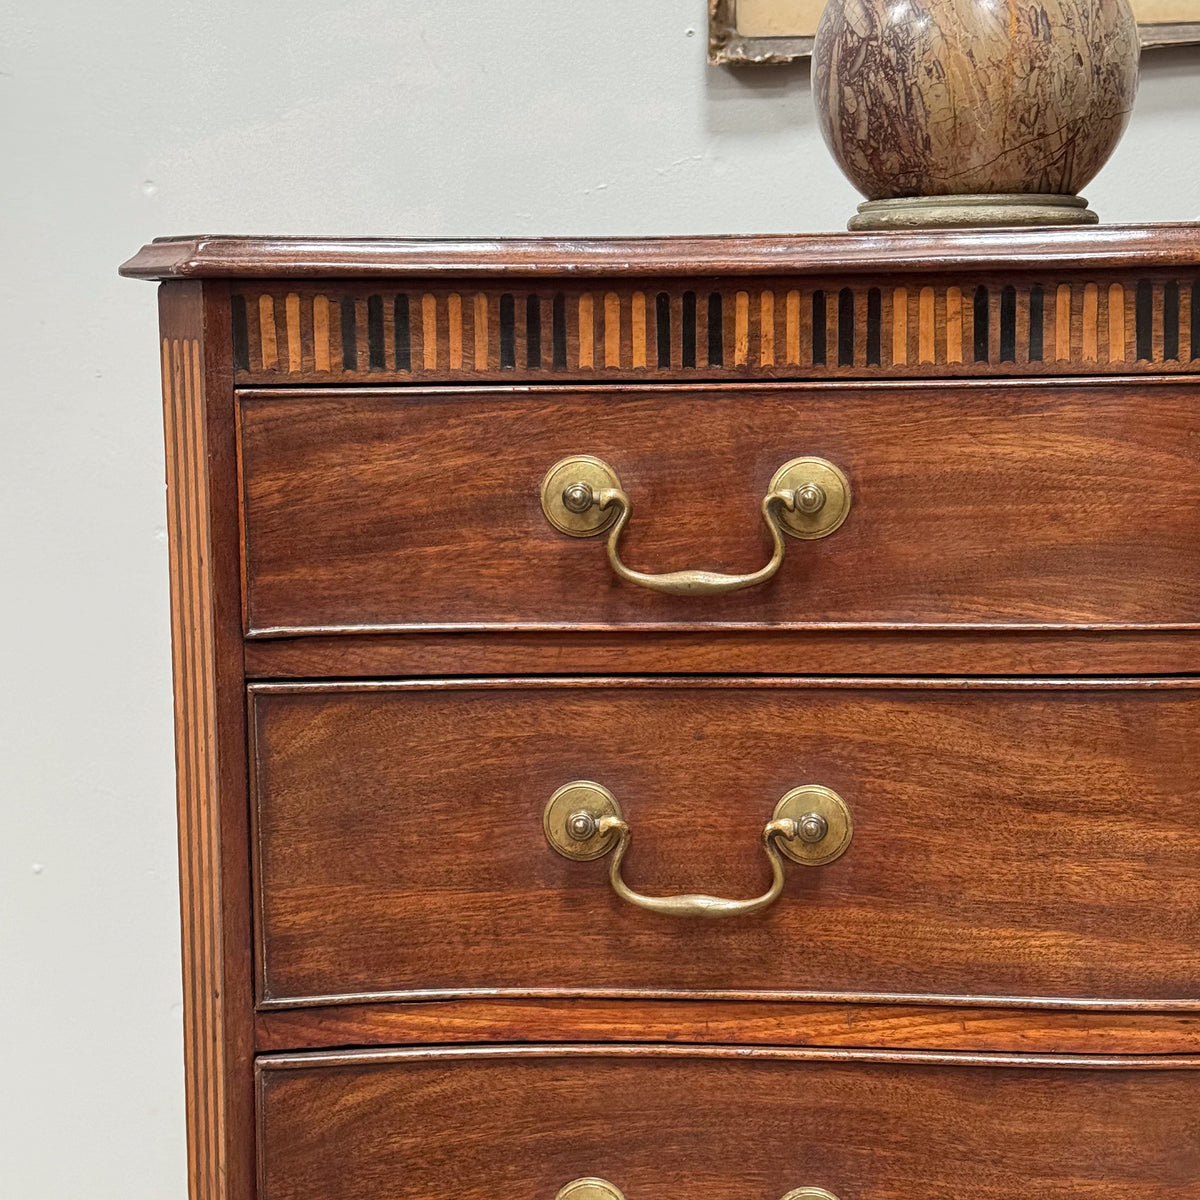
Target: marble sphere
[974, 97]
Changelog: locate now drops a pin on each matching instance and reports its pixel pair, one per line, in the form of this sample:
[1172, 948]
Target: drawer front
[1020, 840]
[1022, 503]
[671, 1125]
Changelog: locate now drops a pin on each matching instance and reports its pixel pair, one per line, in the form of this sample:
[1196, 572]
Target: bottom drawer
[675, 1123]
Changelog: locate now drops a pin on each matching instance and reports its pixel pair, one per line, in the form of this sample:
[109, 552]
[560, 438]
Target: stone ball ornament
[974, 112]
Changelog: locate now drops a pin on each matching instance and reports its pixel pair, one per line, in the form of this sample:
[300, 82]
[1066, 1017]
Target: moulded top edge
[1142, 247]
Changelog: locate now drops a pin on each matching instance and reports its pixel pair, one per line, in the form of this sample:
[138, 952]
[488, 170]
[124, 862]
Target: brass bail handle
[808, 498]
[591, 1188]
[811, 825]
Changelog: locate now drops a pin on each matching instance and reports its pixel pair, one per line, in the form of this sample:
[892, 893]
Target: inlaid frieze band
[766, 329]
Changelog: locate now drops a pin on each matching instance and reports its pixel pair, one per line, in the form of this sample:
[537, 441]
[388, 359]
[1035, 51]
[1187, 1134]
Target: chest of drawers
[689, 717]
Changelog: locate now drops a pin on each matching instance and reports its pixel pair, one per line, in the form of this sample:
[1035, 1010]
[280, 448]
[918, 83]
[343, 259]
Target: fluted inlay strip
[843, 329]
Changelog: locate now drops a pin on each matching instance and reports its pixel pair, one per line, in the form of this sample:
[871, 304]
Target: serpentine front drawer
[669, 1123]
[999, 839]
[927, 504]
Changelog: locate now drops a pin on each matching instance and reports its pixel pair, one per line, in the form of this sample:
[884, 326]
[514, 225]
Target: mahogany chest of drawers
[696, 719]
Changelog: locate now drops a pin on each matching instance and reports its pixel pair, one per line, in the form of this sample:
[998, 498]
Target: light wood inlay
[429, 330]
[454, 318]
[195, 699]
[1188, 352]
[612, 330]
[586, 331]
[954, 325]
[793, 327]
[1062, 325]
[900, 326]
[741, 329]
[321, 333]
[766, 319]
[1091, 322]
[266, 329]
[928, 326]
[481, 332]
[638, 333]
[293, 332]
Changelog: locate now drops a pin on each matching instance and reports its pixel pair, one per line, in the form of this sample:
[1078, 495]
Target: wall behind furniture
[123, 121]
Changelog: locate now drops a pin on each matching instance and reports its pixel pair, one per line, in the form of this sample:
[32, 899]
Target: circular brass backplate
[792, 476]
[810, 1194]
[812, 798]
[571, 798]
[585, 469]
[590, 1189]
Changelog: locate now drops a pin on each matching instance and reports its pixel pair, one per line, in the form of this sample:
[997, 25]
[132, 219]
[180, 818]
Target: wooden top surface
[1103, 246]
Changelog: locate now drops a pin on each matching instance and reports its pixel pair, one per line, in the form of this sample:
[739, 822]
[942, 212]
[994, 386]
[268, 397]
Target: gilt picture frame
[779, 31]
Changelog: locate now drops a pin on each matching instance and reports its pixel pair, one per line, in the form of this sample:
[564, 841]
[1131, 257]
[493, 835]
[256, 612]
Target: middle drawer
[1009, 839]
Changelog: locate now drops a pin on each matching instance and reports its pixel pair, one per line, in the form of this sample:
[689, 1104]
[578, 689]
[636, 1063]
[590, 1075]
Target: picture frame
[780, 31]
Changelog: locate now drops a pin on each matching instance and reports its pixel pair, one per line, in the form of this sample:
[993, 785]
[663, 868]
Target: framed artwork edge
[726, 46]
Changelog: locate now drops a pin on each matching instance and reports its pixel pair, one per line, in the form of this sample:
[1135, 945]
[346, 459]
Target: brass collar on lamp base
[958, 212]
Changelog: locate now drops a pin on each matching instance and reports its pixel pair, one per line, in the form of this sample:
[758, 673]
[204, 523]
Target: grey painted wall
[127, 120]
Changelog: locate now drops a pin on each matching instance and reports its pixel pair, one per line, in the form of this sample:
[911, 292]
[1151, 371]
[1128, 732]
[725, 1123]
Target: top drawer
[1028, 504]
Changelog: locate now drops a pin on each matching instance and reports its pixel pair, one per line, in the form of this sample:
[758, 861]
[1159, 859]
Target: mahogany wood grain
[727, 1124]
[741, 652]
[210, 740]
[975, 507]
[742, 1022]
[1035, 838]
[1142, 247]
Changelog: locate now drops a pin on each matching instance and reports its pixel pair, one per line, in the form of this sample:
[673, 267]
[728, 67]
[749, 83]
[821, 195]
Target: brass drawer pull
[811, 825]
[600, 1189]
[808, 498]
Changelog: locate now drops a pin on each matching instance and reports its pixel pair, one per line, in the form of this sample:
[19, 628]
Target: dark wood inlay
[662, 322]
[1145, 320]
[402, 336]
[1008, 325]
[982, 325]
[874, 327]
[1037, 322]
[1195, 298]
[533, 332]
[846, 334]
[508, 345]
[1170, 318]
[349, 335]
[819, 328]
[375, 333]
[689, 329]
[241, 336]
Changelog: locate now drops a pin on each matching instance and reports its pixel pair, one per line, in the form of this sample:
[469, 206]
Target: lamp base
[964, 212]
